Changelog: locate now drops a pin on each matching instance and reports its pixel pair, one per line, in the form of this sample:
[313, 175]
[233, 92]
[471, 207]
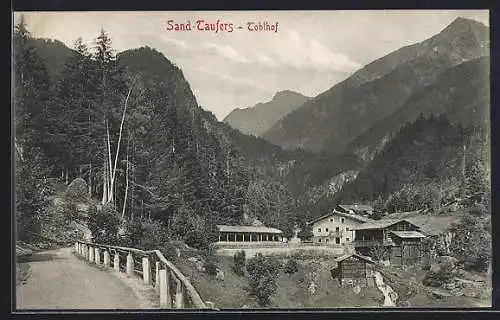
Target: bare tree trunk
[104, 181]
[113, 173]
[80, 171]
[67, 176]
[110, 176]
[126, 180]
[142, 208]
[90, 178]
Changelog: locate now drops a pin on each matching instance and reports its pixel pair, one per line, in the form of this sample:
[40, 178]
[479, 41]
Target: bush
[291, 266]
[239, 263]
[77, 191]
[305, 232]
[262, 275]
[154, 235]
[103, 225]
[211, 260]
[437, 279]
[169, 250]
[211, 267]
[471, 244]
[201, 239]
[377, 215]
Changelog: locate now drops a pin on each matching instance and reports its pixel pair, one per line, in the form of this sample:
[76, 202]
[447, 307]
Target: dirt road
[58, 280]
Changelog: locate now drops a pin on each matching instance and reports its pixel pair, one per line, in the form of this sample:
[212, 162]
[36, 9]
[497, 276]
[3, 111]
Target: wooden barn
[398, 241]
[407, 247]
[354, 269]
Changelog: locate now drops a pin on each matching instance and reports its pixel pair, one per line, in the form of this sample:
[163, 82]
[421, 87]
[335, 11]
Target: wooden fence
[174, 289]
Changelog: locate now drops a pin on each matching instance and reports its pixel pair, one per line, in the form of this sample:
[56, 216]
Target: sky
[308, 52]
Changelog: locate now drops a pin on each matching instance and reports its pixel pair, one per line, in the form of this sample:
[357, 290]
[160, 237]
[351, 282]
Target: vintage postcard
[252, 159]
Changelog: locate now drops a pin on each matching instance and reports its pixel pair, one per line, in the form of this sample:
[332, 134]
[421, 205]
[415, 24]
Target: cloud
[176, 42]
[233, 80]
[265, 59]
[294, 51]
[226, 51]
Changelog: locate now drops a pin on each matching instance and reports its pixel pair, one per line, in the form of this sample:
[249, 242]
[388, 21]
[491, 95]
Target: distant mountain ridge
[462, 93]
[258, 119]
[333, 119]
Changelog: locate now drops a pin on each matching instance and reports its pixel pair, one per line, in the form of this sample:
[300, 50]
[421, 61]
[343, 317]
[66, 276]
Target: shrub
[305, 232]
[211, 260]
[471, 244]
[262, 275]
[169, 250]
[291, 266]
[201, 238]
[77, 191]
[211, 267]
[377, 215]
[131, 233]
[154, 235]
[103, 225]
[239, 263]
[438, 278]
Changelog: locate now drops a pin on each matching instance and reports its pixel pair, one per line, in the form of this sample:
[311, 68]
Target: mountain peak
[286, 94]
[461, 24]
[256, 120]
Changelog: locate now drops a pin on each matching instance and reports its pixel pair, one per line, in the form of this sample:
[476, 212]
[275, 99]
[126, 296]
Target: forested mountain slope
[330, 121]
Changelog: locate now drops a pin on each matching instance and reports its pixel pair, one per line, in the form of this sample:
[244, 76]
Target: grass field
[292, 289]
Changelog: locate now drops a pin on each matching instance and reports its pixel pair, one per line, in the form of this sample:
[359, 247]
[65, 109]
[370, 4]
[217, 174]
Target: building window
[319, 240]
[337, 229]
[337, 240]
[326, 230]
[331, 220]
[326, 239]
[319, 229]
[346, 228]
[342, 220]
[347, 239]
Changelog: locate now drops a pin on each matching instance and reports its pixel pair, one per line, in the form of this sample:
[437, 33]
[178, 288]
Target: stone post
[91, 254]
[97, 256]
[106, 259]
[157, 278]
[130, 264]
[116, 262]
[179, 295]
[146, 270]
[165, 300]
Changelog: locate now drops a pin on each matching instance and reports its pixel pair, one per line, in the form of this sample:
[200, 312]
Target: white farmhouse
[336, 227]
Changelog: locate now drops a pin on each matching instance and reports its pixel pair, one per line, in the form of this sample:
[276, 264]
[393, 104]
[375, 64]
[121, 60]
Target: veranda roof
[381, 224]
[248, 229]
[408, 234]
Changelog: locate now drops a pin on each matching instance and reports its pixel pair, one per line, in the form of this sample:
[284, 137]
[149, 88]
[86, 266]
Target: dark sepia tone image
[247, 160]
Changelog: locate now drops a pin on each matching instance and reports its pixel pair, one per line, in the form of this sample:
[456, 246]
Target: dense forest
[427, 164]
[129, 126]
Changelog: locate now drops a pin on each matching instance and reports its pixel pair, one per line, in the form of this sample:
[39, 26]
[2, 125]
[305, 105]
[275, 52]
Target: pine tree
[30, 102]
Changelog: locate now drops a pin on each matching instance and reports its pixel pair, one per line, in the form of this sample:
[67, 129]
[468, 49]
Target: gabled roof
[342, 214]
[356, 207]
[408, 234]
[381, 224]
[342, 258]
[249, 229]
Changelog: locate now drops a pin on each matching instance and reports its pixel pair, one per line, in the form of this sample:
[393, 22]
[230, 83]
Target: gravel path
[59, 280]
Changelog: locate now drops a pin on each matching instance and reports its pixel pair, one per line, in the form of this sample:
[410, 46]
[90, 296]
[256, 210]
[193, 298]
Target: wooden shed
[354, 269]
[407, 249]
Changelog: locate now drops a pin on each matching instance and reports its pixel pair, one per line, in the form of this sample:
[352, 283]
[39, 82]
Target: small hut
[354, 269]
